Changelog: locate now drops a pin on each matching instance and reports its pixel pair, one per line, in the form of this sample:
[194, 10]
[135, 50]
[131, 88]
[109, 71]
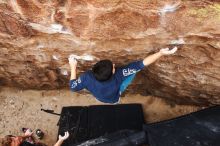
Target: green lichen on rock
[216, 7]
[206, 12]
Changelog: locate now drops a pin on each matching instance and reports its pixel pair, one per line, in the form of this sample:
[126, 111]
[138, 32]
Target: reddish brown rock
[37, 36]
[12, 24]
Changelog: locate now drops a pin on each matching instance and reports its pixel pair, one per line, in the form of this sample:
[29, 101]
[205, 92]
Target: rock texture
[37, 36]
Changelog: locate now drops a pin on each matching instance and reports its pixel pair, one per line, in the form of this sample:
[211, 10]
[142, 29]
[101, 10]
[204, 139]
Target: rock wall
[37, 36]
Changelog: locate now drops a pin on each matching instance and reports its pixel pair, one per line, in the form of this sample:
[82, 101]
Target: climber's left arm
[73, 64]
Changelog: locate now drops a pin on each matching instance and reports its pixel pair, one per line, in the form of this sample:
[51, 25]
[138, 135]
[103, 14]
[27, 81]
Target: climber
[105, 81]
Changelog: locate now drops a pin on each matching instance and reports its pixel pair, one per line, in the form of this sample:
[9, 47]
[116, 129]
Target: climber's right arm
[152, 58]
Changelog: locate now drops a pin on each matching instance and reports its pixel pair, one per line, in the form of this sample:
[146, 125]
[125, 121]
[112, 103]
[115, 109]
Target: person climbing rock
[105, 81]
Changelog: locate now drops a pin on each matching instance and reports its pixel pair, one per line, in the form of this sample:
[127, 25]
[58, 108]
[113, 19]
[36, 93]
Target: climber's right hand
[167, 51]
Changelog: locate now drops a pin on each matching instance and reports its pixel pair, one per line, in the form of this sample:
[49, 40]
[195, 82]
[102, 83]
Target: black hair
[102, 70]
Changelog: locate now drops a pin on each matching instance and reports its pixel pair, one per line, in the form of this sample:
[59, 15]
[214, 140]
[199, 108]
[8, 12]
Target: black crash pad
[91, 122]
[119, 138]
[200, 128]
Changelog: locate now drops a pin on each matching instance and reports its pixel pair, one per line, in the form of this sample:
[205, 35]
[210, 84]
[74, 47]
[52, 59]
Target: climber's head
[103, 70]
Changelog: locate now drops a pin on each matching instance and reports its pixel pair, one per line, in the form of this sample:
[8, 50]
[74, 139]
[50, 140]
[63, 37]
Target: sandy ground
[21, 108]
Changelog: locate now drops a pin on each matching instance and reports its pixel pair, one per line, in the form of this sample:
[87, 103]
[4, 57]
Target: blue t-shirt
[107, 91]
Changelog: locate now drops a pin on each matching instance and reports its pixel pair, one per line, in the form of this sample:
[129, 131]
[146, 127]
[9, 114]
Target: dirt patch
[21, 108]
